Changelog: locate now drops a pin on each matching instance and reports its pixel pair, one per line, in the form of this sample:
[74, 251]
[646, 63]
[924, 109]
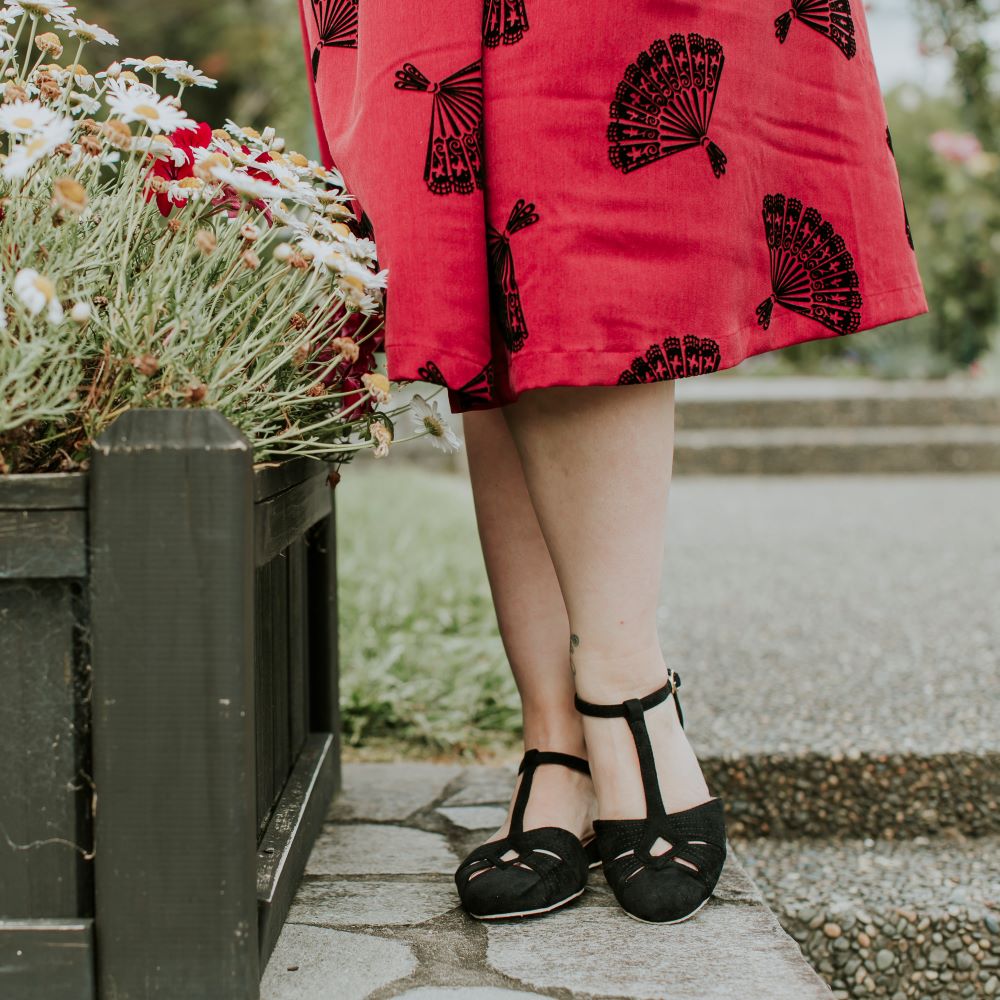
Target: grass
[423, 669]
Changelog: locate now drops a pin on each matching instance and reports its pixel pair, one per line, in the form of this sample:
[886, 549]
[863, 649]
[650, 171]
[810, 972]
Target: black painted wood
[47, 959]
[291, 832]
[284, 517]
[281, 756]
[263, 715]
[43, 544]
[44, 491]
[45, 792]
[172, 612]
[298, 623]
[272, 478]
[324, 686]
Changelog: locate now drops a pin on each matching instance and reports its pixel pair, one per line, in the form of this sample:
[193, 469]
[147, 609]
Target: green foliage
[252, 47]
[422, 661]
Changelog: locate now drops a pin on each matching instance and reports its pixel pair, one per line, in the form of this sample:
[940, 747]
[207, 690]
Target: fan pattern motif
[505, 299]
[636, 243]
[906, 218]
[674, 358]
[832, 18]
[664, 103]
[812, 271]
[454, 163]
[477, 391]
[504, 21]
[337, 27]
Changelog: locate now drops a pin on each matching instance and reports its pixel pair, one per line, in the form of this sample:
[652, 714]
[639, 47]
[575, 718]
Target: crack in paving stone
[451, 951]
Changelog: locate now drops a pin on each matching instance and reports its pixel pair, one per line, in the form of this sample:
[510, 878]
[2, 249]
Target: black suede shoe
[657, 888]
[551, 866]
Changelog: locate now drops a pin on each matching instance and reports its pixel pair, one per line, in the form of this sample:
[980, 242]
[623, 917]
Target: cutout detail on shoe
[551, 854]
[632, 875]
[656, 849]
[624, 854]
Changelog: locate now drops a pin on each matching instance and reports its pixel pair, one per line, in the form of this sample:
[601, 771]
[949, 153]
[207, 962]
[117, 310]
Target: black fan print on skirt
[504, 295]
[364, 227]
[337, 21]
[478, 389]
[665, 101]
[503, 21]
[812, 272]
[829, 17]
[454, 149]
[906, 218]
[674, 358]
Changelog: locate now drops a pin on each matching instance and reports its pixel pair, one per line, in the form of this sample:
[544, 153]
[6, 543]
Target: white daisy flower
[427, 418]
[84, 102]
[138, 103]
[159, 145]
[248, 136]
[8, 16]
[37, 293]
[244, 184]
[75, 74]
[88, 32]
[51, 10]
[24, 117]
[154, 64]
[35, 147]
[111, 73]
[189, 76]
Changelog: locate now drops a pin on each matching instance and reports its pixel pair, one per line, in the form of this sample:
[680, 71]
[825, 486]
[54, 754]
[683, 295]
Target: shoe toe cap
[661, 896]
[500, 892]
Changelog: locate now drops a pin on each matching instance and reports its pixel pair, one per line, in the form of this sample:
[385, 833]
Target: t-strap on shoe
[550, 867]
[658, 888]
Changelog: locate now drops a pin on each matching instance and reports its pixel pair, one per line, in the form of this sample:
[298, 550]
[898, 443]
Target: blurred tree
[252, 47]
[965, 180]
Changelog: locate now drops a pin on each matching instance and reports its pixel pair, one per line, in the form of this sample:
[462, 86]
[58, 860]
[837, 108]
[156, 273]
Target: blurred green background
[938, 62]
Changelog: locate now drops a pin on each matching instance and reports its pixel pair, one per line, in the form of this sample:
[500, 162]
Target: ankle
[562, 733]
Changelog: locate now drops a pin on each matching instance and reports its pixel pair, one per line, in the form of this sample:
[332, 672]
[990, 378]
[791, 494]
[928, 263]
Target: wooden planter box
[168, 711]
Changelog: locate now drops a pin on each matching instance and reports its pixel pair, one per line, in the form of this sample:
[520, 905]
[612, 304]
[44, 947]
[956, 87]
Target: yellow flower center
[43, 285]
[24, 122]
[147, 111]
[434, 426]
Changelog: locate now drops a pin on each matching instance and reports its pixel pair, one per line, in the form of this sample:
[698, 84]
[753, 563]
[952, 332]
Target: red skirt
[612, 193]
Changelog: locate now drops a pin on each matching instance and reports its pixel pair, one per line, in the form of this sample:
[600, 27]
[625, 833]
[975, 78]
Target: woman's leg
[597, 463]
[532, 619]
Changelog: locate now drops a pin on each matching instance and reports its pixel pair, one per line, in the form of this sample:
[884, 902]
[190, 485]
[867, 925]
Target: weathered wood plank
[324, 676]
[298, 717]
[272, 478]
[293, 828]
[280, 754]
[264, 719]
[48, 959]
[43, 543]
[280, 520]
[44, 491]
[45, 796]
[172, 613]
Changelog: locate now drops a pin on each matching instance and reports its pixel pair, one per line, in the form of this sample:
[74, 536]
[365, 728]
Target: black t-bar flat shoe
[548, 870]
[658, 887]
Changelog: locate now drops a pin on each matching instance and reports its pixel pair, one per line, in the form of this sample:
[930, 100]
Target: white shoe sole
[530, 913]
[679, 920]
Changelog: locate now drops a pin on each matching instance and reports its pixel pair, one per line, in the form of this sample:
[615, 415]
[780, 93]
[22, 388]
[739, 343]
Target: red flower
[186, 141]
[346, 376]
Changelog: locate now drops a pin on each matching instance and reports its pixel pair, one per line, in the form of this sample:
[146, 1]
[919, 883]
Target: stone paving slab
[377, 916]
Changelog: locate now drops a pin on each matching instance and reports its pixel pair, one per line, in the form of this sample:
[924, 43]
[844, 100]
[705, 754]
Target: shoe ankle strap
[529, 762]
[624, 709]
[533, 758]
